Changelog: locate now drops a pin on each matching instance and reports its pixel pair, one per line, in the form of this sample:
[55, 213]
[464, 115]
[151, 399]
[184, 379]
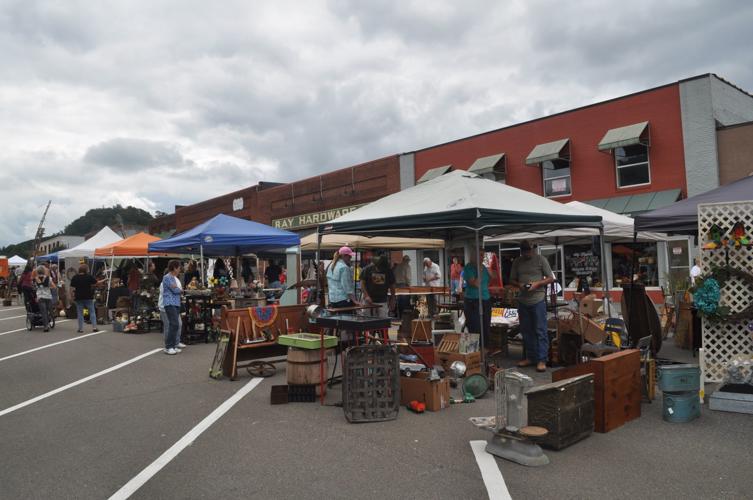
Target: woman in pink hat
[340, 279]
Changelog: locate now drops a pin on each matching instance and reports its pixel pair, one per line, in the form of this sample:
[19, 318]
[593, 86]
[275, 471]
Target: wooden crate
[565, 409]
[617, 387]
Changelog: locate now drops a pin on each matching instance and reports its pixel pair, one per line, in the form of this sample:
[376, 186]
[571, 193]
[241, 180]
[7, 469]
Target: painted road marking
[50, 345]
[12, 309]
[13, 317]
[137, 482]
[493, 480]
[77, 382]
[22, 329]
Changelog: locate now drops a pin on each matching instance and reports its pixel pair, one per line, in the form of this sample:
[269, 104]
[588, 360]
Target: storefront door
[556, 258]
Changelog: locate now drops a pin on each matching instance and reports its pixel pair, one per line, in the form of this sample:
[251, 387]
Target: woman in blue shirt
[340, 279]
[471, 298]
[171, 293]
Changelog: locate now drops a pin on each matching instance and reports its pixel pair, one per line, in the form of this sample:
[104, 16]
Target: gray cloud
[200, 99]
[133, 154]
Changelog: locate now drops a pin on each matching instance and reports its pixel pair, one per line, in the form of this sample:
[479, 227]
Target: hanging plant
[707, 294]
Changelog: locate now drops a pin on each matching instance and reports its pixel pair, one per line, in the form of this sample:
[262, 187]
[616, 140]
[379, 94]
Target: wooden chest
[565, 409]
[617, 387]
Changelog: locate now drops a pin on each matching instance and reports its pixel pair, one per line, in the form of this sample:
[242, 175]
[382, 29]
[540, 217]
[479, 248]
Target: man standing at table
[377, 280]
[532, 273]
[432, 277]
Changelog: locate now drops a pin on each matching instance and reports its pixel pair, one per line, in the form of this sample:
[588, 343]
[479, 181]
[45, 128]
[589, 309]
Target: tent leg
[480, 304]
[319, 279]
[201, 257]
[604, 277]
[109, 281]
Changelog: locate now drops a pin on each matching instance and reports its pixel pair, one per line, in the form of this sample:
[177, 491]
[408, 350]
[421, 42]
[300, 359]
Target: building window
[556, 175]
[637, 258]
[582, 262]
[632, 165]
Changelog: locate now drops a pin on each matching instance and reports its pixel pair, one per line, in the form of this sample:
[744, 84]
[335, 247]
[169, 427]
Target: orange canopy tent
[133, 246]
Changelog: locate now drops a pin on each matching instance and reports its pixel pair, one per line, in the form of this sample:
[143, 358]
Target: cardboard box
[472, 361]
[590, 305]
[434, 393]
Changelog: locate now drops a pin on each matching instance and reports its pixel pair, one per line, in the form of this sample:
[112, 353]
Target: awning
[637, 203]
[623, 136]
[434, 173]
[548, 151]
[487, 164]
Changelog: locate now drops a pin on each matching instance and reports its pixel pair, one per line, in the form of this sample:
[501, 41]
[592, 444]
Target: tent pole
[319, 278]
[109, 280]
[604, 277]
[201, 257]
[480, 278]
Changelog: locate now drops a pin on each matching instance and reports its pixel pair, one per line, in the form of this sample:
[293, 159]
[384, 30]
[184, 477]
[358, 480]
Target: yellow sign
[313, 218]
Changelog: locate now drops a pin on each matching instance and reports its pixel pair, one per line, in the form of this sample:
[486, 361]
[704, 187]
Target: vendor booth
[16, 261]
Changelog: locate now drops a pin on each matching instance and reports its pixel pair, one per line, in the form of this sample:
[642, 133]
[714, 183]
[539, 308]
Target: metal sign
[313, 218]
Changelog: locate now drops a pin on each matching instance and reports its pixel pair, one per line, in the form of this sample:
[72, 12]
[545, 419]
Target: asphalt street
[95, 436]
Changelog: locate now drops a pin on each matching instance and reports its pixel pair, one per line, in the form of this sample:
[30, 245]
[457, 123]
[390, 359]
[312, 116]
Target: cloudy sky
[153, 103]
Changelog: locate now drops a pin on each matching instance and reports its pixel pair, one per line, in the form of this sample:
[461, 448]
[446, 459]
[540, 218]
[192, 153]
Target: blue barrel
[681, 406]
[679, 378]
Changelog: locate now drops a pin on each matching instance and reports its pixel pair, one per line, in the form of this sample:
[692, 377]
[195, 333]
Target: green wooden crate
[307, 340]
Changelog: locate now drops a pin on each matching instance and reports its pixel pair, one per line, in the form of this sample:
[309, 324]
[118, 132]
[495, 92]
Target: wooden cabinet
[617, 387]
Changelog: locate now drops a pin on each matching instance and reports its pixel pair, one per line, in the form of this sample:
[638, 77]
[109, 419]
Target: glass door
[556, 258]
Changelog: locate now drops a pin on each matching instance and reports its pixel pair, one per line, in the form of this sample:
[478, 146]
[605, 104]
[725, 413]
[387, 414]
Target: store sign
[237, 204]
[313, 218]
[583, 263]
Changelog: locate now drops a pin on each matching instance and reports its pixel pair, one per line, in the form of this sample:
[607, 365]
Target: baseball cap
[345, 251]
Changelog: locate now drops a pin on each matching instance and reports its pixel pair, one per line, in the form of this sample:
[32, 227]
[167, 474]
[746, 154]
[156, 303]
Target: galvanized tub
[678, 378]
[681, 406]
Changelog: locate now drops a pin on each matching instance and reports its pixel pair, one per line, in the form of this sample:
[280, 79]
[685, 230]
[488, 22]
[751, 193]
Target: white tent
[616, 227]
[105, 236]
[16, 261]
[335, 241]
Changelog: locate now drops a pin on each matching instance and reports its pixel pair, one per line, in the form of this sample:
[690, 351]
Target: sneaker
[181, 345]
[177, 350]
[171, 351]
[79, 331]
[94, 330]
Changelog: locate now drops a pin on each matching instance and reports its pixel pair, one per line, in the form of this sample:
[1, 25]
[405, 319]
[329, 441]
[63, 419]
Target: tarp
[223, 235]
[50, 257]
[616, 227]
[457, 203]
[335, 241]
[133, 246]
[682, 217]
[105, 236]
[17, 261]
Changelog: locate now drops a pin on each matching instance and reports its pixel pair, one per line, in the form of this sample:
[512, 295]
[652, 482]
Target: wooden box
[565, 409]
[434, 393]
[472, 361]
[617, 387]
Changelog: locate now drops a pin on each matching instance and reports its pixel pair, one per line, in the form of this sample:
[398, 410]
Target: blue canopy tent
[223, 235]
[50, 257]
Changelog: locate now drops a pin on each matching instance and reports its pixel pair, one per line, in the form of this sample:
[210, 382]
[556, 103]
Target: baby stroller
[33, 314]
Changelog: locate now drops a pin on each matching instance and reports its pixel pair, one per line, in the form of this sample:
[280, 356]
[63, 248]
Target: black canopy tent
[682, 217]
[459, 206]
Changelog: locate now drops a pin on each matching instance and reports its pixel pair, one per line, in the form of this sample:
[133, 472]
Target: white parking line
[10, 309]
[22, 329]
[142, 477]
[493, 480]
[13, 317]
[50, 345]
[77, 382]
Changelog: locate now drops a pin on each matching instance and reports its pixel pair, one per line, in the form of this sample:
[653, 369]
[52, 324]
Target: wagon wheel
[261, 369]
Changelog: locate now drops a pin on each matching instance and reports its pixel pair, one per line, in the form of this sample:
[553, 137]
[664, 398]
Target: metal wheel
[261, 369]
[52, 322]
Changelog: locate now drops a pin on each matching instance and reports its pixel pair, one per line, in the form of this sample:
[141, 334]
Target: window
[640, 257]
[582, 261]
[632, 165]
[556, 177]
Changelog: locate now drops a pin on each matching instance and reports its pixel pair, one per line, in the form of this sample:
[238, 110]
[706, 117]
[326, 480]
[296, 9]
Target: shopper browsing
[44, 296]
[171, 293]
[377, 281]
[340, 279]
[83, 293]
[532, 273]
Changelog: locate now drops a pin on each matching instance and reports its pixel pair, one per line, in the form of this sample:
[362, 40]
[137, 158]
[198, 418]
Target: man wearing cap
[532, 273]
[340, 279]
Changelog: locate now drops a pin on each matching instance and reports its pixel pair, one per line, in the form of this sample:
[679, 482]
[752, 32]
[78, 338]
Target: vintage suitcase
[565, 409]
[617, 387]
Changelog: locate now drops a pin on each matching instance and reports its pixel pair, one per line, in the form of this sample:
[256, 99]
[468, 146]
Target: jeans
[45, 309]
[470, 309]
[173, 320]
[533, 328]
[383, 311]
[454, 287]
[166, 324]
[89, 304]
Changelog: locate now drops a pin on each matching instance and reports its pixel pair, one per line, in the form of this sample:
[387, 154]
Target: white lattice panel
[722, 340]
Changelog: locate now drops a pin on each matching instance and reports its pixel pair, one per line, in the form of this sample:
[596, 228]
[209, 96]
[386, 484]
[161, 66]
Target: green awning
[548, 151]
[488, 164]
[434, 173]
[623, 136]
[637, 203]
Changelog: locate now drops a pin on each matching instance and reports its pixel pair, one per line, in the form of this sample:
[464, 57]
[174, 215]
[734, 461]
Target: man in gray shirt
[532, 273]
